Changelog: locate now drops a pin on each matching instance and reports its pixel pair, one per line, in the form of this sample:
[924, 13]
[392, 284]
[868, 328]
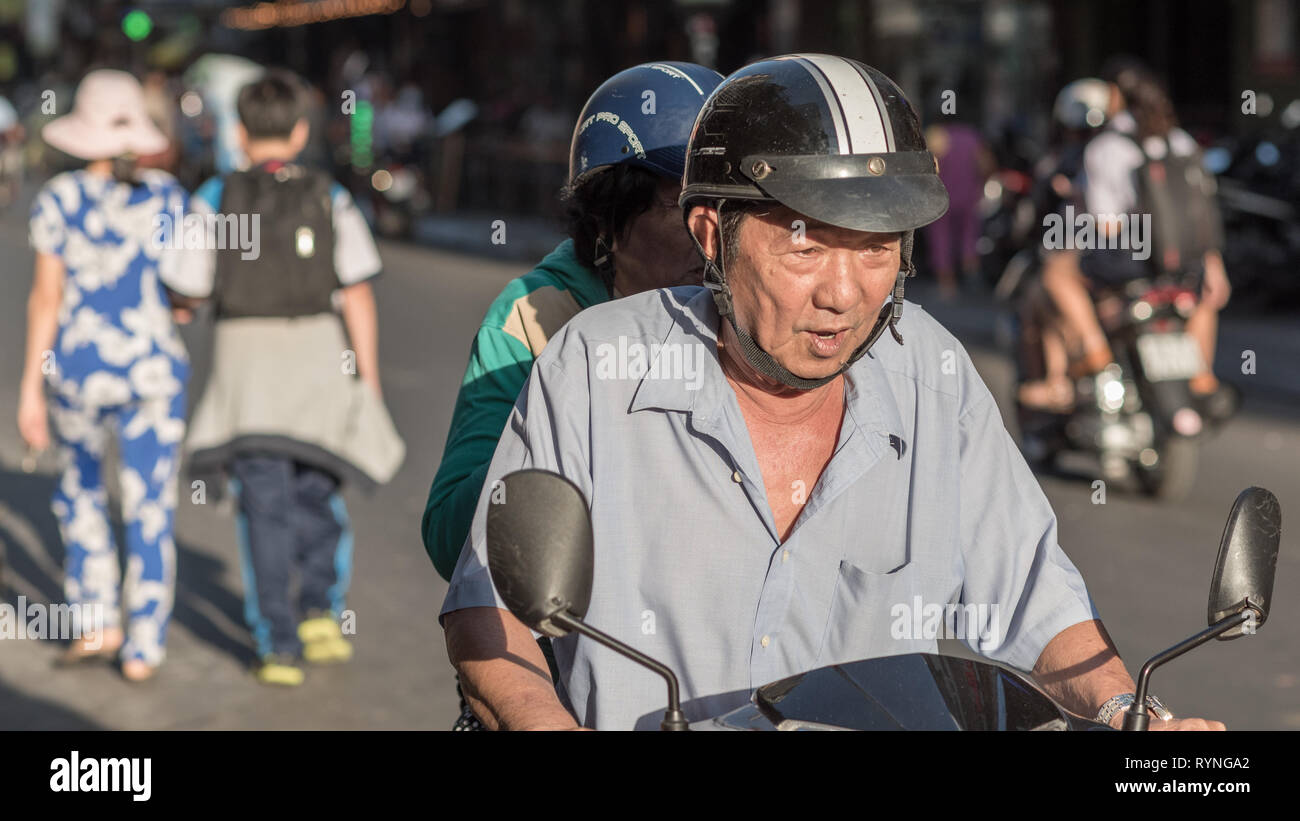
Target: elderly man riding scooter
[789, 509]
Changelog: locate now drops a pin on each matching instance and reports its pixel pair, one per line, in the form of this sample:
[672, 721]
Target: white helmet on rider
[1082, 105]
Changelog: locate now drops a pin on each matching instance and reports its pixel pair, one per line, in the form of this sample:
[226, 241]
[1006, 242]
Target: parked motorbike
[1007, 215]
[1259, 185]
[1138, 417]
[540, 556]
[397, 198]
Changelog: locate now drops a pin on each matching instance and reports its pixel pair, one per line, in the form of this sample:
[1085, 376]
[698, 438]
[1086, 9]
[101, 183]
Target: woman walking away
[101, 338]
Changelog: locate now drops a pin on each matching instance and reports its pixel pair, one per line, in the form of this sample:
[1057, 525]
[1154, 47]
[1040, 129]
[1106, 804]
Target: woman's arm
[42, 326]
[497, 371]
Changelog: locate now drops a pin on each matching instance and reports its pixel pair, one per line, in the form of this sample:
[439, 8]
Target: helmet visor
[886, 192]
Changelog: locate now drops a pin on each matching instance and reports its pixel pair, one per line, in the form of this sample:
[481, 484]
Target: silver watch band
[1123, 701]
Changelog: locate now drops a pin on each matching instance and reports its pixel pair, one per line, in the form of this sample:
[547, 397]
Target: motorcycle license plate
[1169, 356]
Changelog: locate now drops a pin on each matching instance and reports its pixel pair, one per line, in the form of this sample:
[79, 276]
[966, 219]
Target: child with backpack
[292, 408]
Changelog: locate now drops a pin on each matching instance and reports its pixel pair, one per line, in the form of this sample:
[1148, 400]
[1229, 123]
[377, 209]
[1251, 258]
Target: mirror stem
[673, 717]
[1137, 717]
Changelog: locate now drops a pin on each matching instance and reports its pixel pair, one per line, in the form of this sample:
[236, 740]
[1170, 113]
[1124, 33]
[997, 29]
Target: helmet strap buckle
[603, 261]
[896, 309]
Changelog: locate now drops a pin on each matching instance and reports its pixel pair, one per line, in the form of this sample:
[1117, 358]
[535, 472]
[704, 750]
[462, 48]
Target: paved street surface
[1147, 566]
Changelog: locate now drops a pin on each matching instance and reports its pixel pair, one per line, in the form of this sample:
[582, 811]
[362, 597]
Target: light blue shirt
[926, 502]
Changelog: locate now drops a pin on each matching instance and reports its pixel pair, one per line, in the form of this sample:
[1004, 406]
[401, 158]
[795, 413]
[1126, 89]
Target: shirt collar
[869, 400]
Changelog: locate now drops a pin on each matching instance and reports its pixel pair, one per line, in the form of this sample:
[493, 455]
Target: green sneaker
[281, 670]
[322, 641]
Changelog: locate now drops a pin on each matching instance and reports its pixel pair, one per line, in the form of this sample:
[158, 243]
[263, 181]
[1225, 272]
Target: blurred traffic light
[137, 25]
[362, 124]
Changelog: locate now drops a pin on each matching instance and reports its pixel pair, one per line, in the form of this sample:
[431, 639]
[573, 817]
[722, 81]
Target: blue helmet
[643, 116]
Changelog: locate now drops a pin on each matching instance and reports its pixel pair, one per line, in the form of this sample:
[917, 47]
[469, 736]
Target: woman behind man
[100, 336]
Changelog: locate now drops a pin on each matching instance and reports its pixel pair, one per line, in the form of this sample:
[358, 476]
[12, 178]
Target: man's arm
[1012, 560]
[549, 430]
[502, 671]
[1081, 670]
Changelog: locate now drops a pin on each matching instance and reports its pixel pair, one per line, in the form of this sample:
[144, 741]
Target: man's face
[655, 251]
[809, 298]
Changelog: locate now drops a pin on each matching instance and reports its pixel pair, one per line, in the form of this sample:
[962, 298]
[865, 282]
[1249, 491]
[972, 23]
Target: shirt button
[785, 555]
[765, 641]
[736, 477]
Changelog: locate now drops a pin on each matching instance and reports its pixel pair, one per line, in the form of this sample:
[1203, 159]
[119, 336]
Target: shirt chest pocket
[871, 613]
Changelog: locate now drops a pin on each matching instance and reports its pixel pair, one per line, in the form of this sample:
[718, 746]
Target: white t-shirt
[1111, 158]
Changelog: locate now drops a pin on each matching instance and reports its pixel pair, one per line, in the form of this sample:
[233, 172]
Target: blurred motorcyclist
[1079, 113]
[1142, 125]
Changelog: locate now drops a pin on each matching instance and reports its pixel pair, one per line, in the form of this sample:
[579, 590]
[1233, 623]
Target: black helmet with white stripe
[828, 137]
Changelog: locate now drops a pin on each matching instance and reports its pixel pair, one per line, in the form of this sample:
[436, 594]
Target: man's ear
[241, 137]
[298, 137]
[703, 223]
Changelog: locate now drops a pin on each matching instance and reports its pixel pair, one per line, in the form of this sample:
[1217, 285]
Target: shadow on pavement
[31, 550]
[19, 711]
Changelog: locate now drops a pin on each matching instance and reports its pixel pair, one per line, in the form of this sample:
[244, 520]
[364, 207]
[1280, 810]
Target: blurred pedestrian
[964, 164]
[100, 337]
[11, 154]
[284, 414]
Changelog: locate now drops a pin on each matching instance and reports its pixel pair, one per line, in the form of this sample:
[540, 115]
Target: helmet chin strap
[603, 261]
[763, 362]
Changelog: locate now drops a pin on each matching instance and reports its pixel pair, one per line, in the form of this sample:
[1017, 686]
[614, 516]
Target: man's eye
[807, 252]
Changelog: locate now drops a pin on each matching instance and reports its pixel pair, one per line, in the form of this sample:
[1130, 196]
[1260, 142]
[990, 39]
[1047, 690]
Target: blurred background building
[467, 105]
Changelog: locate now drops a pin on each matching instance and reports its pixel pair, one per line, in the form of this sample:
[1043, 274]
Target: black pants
[291, 518]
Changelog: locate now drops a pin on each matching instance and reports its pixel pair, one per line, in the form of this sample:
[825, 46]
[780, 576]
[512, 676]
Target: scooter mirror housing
[541, 557]
[1247, 562]
[539, 546]
[1240, 590]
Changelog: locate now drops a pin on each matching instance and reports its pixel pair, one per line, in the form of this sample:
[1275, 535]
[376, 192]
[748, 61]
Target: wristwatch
[1123, 701]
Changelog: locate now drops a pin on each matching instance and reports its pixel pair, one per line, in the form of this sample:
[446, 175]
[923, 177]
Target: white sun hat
[108, 119]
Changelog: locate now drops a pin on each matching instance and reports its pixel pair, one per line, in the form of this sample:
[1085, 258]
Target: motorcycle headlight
[1112, 395]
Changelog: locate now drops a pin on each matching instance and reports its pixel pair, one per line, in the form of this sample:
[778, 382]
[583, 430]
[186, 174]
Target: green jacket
[521, 319]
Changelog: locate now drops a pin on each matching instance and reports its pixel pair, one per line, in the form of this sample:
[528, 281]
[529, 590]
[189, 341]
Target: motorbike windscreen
[918, 691]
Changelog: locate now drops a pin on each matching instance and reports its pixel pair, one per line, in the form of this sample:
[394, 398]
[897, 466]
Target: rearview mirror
[1243, 573]
[539, 547]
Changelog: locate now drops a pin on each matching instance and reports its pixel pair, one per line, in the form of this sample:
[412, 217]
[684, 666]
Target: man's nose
[840, 283]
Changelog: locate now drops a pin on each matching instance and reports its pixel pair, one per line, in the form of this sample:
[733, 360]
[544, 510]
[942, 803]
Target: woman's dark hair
[1144, 96]
[604, 206]
[272, 105]
[125, 169]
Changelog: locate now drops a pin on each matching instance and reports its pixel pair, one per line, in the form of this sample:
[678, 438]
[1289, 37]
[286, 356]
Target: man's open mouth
[828, 341]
